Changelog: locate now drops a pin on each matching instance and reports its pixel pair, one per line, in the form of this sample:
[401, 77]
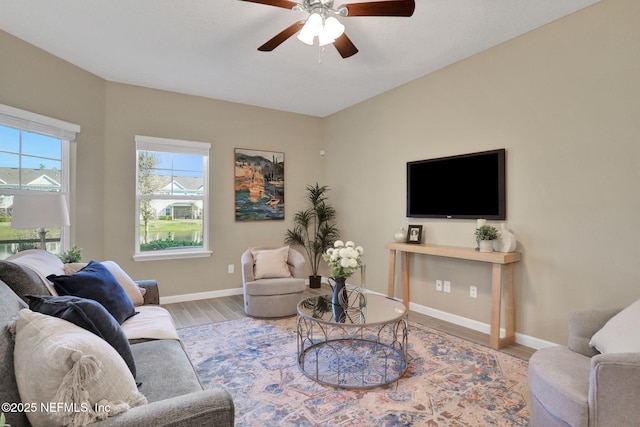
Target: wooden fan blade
[279, 38]
[277, 3]
[345, 46]
[382, 8]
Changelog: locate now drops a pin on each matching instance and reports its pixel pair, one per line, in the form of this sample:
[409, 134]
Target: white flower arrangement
[343, 258]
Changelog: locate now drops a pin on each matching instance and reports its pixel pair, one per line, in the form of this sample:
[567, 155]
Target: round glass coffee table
[360, 345]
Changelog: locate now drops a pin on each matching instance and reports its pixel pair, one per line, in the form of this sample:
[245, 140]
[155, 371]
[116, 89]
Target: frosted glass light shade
[311, 29]
[39, 210]
[324, 40]
[305, 37]
[333, 28]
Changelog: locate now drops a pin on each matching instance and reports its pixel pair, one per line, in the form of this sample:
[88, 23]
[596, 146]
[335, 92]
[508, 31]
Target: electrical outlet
[447, 286]
[473, 291]
[231, 268]
[438, 285]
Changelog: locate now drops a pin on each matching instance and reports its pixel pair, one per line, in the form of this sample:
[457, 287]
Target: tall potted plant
[314, 229]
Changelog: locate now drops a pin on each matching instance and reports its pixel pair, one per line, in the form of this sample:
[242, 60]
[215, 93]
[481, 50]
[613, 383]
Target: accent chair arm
[202, 408]
[247, 266]
[296, 263]
[583, 324]
[614, 387]
[152, 296]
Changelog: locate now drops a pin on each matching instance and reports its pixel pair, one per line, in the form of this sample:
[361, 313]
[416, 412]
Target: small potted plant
[72, 255]
[485, 235]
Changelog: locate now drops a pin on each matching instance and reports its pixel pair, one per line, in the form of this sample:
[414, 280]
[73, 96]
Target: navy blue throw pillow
[87, 314]
[97, 283]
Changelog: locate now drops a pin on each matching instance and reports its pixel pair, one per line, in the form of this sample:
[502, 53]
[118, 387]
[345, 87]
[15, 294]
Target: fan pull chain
[320, 52]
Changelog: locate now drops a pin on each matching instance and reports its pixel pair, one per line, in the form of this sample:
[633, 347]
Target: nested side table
[362, 345]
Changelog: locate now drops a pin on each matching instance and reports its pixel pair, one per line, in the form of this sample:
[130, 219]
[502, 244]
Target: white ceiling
[209, 47]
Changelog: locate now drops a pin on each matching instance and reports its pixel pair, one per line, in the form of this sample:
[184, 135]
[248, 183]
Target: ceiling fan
[322, 24]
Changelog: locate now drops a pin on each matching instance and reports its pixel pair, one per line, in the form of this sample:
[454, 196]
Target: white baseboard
[475, 325]
[200, 295]
[533, 342]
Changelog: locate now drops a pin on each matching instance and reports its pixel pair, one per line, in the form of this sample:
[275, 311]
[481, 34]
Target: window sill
[163, 255]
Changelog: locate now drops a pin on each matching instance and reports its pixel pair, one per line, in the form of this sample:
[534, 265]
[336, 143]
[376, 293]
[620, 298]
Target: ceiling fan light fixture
[312, 27]
[327, 30]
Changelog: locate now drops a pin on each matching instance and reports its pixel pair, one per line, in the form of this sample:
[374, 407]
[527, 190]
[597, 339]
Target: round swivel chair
[272, 296]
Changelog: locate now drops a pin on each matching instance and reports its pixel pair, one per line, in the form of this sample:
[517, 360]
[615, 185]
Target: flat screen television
[464, 186]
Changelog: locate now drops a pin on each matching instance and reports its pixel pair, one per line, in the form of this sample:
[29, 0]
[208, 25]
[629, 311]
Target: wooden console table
[501, 274]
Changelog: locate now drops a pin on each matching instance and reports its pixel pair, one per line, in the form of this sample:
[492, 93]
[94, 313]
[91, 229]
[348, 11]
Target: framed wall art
[259, 185]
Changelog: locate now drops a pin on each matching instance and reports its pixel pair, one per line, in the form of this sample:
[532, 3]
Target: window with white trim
[34, 157]
[172, 198]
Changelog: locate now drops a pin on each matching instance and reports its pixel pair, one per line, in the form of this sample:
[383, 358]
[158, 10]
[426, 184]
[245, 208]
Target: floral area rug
[449, 381]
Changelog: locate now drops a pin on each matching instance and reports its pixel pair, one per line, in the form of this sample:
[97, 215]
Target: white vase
[486, 245]
[506, 241]
[400, 236]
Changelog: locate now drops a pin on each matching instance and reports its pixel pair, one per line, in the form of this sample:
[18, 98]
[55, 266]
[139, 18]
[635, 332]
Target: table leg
[392, 273]
[405, 279]
[496, 297]
[509, 306]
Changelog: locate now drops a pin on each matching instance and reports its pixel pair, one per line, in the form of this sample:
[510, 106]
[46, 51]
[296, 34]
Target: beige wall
[564, 101]
[134, 110]
[36, 81]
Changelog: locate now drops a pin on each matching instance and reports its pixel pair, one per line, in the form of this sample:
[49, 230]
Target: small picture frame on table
[414, 234]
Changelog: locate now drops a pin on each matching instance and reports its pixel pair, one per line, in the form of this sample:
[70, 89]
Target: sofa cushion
[22, 280]
[164, 370]
[57, 361]
[127, 283]
[617, 336]
[96, 282]
[89, 315]
[271, 263]
[559, 379]
[152, 322]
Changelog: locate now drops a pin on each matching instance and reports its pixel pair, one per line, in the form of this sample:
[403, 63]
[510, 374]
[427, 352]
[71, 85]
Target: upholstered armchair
[595, 380]
[273, 281]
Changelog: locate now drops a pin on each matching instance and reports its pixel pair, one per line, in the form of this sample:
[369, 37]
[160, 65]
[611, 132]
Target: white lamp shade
[39, 210]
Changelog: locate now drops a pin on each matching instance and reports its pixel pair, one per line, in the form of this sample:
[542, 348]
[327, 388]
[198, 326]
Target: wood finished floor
[200, 312]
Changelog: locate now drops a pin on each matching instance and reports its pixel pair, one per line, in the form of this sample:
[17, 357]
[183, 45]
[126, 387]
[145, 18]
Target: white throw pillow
[72, 372]
[127, 283]
[618, 335]
[271, 263]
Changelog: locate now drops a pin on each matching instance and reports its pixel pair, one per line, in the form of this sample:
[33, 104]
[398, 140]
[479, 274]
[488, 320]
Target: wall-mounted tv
[464, 186]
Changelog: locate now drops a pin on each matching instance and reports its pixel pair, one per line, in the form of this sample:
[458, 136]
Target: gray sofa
[168, 380]
[578, 386]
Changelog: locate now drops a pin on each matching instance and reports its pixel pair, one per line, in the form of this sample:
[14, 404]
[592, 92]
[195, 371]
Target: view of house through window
[28, 162]
[171, 195]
